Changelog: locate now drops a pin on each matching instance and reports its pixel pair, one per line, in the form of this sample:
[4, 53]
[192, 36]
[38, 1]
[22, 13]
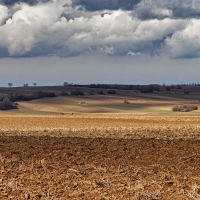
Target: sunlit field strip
[108, 126]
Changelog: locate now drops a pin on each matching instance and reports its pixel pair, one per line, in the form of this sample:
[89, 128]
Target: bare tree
[65, 83]
[10, 85]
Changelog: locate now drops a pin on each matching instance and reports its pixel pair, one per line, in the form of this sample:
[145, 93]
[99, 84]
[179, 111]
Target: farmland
[138, 103]
[99, 157]
[62, 148]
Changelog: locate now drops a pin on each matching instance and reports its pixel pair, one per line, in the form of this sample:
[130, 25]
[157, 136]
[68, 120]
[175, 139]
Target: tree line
[7, 102]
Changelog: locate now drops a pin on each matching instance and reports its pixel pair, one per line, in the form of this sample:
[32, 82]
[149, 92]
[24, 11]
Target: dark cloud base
[30, 2]
[96, 5]
[89, 5]
[128, 5]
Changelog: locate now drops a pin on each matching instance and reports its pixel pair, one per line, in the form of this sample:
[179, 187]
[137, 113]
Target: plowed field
[99, 157]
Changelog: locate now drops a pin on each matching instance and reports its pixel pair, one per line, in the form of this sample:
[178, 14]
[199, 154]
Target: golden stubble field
[105, 156]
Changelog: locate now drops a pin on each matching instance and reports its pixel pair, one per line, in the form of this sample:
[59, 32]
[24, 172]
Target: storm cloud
[30, 2]
[68, 28]
[92, 5]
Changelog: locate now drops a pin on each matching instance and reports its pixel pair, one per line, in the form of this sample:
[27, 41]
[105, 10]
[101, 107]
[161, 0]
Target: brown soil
[38, 159]
[83, 168]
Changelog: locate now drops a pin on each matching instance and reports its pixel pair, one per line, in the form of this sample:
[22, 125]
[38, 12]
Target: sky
[49, 42]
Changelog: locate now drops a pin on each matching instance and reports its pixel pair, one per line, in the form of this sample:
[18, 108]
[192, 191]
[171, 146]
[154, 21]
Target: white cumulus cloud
[58, 28]
[185, 43]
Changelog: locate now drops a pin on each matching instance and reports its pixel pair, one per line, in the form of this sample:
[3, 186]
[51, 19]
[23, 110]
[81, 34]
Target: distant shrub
[157, 88]
[185, 108]
[77, 92]
[63, 93]
[146, 89]
[179, 87]
[6, 104]
[6, 101]
[127, 102]
[111, 91]
[49, 94]
[41, 94]
[186, 92]
[36, 95]
[172, 87]
[91, 92]
[100, 92]
[169, 93]
[194, 107]
[1, 98]
[168, 88]
[19, 97]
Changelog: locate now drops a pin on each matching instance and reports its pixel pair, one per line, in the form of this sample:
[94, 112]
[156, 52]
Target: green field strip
[148, 110]
[57, 100]
[185, 97]
[114, 106]
[180, 96]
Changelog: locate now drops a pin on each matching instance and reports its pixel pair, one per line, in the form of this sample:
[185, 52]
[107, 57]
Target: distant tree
[179, 87]
[146, 89]
[172, 87]
[25, 84]
[136, 87]
[91, 92]
[6, 104]
[111, 91]
[34, 84]
[10, 85]
[186, 92]
[77, 92]
[157, 88]
[100, 92]
[41, 94]
[65, 83]
[168, 88]
[130, 87]
[63, 93]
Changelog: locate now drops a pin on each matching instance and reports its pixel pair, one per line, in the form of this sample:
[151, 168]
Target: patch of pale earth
[164, 108]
